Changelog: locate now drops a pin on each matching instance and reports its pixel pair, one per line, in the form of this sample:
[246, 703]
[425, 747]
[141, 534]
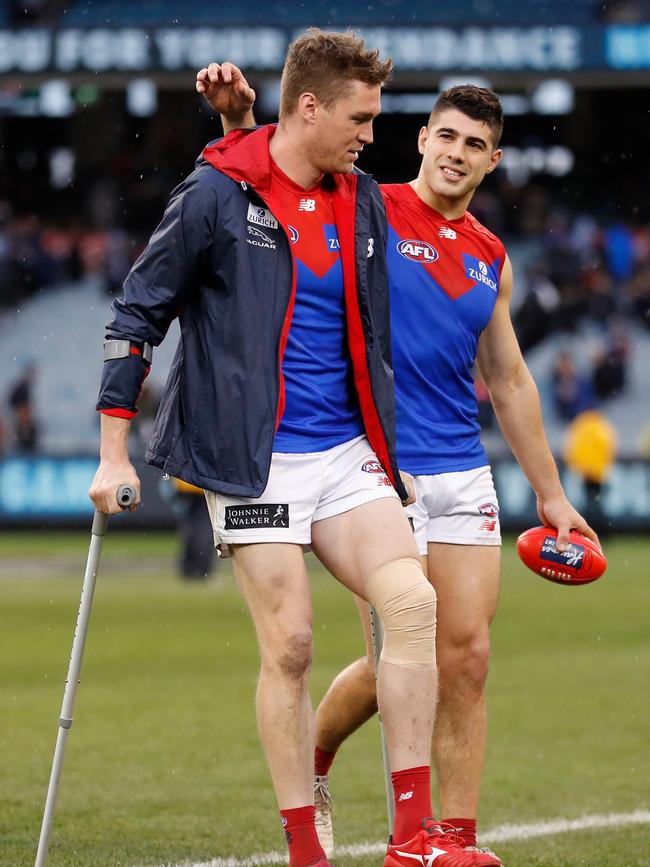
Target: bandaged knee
[406, 605]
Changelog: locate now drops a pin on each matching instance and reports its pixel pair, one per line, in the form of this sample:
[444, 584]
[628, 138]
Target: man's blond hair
[324, 64]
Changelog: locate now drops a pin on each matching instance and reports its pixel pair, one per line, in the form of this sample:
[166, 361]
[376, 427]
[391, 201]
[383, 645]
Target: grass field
[163, 762]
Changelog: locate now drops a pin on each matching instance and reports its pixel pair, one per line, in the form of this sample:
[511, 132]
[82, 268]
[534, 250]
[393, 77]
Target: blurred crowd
[35, 255]
[19, 429]
[576, 273]
[573, 270]
[580, 268]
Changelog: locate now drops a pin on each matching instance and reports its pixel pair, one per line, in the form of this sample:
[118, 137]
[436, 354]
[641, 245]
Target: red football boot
[485, 850]
[437, 846]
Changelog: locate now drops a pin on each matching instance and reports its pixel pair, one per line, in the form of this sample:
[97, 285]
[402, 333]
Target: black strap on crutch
[125, 497]
[377, 633]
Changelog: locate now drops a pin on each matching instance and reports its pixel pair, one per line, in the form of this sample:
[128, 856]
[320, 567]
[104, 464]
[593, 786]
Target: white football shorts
[456, 508]
[302, 489]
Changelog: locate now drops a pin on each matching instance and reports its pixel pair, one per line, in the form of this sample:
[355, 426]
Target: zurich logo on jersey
[477, 271]
[333, 243]
[417, 251]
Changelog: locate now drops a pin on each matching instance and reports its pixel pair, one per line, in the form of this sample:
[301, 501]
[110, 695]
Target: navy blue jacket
[222, 263]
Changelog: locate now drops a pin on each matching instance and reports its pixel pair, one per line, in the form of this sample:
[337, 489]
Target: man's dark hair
[478, 103]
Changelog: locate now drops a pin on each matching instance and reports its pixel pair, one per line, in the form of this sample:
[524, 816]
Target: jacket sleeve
[160, 283]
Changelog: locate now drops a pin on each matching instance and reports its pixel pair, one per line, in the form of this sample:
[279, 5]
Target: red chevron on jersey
[310, 219]
[317, 243]
[457, 254]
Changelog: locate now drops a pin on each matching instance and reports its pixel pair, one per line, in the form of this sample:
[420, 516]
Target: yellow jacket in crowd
[590, 446]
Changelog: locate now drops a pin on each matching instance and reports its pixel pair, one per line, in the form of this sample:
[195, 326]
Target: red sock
[412, 793]
[323, 762]
[299, 829]
[465, 828]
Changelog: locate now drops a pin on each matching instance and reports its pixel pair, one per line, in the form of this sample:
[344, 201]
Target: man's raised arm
[227, 91]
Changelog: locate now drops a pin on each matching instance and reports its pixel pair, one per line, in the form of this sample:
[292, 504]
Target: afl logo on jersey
[293, 234]
[417, 251]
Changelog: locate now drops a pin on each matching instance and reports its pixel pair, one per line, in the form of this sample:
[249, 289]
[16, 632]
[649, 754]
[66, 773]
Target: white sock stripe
[500, 834]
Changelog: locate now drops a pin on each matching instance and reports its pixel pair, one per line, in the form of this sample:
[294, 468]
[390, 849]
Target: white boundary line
[500, 834]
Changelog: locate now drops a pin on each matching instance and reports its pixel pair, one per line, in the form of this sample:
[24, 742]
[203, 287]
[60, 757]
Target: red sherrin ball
[581, 563]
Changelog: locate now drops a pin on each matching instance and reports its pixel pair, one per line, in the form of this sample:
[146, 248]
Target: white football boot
[324, 810]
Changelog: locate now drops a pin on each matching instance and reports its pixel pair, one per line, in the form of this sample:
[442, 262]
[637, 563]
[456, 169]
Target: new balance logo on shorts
[490, 511]
[257, 517]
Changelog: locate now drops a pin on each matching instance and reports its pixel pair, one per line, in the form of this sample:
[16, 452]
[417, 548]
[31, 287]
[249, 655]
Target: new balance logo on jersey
[405, 796]
[417, 251]
[261, 217]
[307, 205]
[446, 232]
[257, 517]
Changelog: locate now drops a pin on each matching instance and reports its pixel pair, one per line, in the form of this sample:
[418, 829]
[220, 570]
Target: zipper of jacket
[284, 334]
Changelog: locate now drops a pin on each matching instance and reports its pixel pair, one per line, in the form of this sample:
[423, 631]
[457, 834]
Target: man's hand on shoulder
[108, 478]
[226, 90]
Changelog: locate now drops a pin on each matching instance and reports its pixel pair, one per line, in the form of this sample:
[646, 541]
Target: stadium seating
[60, 330]
[66, 350]
[622, 411]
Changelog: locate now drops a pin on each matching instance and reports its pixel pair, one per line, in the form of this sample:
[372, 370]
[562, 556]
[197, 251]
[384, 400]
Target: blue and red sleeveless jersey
[444, 279]
[321, 405]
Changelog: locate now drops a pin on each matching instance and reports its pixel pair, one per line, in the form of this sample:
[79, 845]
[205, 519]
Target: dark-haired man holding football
[450, 282]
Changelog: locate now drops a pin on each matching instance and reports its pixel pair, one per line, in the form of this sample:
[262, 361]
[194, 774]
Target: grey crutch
[125, 497]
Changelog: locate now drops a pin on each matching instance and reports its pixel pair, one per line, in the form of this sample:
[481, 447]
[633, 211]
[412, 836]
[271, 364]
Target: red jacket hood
[244, 156]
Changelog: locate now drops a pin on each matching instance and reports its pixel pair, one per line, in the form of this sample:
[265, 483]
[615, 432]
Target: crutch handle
[125, 496]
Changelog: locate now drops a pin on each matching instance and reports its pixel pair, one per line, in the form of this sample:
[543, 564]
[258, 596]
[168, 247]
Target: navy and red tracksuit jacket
[234, 297]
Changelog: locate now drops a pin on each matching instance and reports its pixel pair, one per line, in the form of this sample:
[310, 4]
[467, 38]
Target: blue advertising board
[136, 50]
[42, 491]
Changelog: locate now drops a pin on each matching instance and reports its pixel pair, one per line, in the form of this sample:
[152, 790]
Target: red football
[581, 563]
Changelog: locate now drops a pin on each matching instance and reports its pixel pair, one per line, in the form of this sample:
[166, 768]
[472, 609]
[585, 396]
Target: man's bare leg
[466, 578]
[274, 582]
[352, 546]
[351, 699]
[356, 547]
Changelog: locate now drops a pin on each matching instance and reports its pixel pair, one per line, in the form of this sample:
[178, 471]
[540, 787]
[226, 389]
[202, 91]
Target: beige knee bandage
[406, 605]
